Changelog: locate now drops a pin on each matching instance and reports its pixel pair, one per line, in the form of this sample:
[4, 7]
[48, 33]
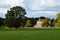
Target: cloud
[7, 4]
[12, 2]
[1, 15]
[43, 4]
[48, 8]
[34, 8]
[50, 14]
[3, 10]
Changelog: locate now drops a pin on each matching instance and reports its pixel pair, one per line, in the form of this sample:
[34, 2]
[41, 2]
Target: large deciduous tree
[15, 16]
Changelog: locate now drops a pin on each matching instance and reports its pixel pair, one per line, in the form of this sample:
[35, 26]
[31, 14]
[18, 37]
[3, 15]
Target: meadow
[30, 34]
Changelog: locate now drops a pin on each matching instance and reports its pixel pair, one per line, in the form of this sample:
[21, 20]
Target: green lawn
[30, 34]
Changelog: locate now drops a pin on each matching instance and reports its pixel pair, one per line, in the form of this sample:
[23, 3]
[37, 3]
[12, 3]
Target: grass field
[30, 34]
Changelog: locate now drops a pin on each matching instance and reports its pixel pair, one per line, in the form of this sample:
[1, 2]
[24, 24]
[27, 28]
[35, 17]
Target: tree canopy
[57, 21]
[14, 16]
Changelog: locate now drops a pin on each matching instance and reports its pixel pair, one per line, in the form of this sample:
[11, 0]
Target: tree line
[16, 18]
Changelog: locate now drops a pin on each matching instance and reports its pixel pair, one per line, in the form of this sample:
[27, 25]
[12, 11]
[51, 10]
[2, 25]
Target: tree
[42, 17]
[2, 21]
[33, 21]
[52, 22]
[57, 21]
[46, 22]
[27, 24]
[14, 16]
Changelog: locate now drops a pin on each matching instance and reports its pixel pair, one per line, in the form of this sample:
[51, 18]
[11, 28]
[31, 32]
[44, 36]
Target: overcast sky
[34, 8]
